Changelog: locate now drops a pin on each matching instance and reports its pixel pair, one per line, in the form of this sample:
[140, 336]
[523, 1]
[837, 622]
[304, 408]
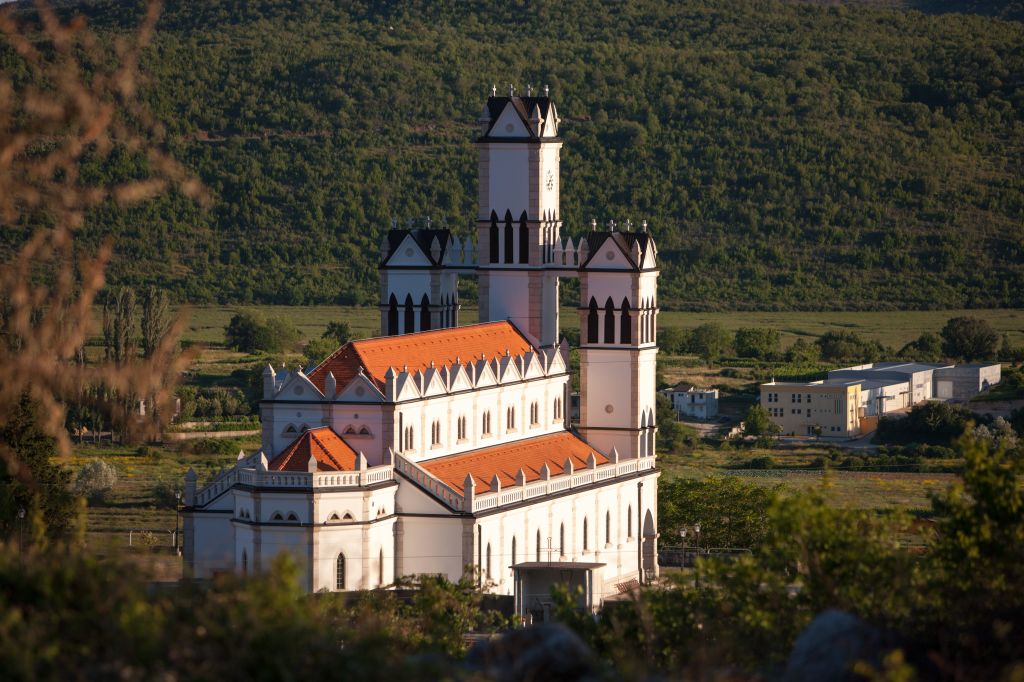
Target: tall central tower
[518, 216]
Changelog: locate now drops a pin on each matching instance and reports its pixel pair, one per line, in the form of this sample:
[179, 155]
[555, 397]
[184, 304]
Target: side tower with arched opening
[618, 347]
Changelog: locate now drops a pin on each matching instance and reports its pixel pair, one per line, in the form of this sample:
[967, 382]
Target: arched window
[276, 516]
[629, 522]
[380, 568]
[424, 313]
[534, 414]
[245, 563]
[609, 321]
[339, 573]
[607, 528]
[625, 324]
[561, 539]
[460, 428]
[510, 419]
[292, 516]
[586, 542]
[435, 433]
[410, 315]
[524, 239]
[494, 237]
[485, 424]
[538, 545]
[488, 561]
[592, 322]
[392, 316]
[509, 238]
[513, 550]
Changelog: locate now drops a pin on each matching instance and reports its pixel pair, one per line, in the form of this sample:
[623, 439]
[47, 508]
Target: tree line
[962, 339]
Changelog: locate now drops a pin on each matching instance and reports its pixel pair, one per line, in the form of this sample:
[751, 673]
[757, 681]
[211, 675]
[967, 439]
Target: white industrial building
[881, 388]
[439, 449]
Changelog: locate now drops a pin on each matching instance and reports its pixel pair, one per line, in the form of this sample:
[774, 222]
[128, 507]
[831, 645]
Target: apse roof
[332, 453]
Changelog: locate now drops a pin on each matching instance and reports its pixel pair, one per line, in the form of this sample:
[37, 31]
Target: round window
[609, 408]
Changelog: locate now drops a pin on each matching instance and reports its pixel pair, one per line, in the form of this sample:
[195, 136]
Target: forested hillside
[787, 155]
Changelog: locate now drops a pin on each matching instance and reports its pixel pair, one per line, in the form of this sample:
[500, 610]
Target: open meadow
[139, 504]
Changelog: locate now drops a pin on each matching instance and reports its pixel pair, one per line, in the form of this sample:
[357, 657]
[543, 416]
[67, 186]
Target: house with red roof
[440, 448]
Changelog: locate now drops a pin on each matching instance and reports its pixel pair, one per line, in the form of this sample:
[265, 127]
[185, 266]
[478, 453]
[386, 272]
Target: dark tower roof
[524, 106]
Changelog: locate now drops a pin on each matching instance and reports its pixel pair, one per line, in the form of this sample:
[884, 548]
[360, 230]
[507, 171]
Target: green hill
[787, 155]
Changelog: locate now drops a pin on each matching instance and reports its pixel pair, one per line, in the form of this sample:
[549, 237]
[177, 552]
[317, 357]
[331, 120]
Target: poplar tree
[156, 319]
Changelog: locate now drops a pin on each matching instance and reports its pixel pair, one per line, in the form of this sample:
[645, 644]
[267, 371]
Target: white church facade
[445, 449]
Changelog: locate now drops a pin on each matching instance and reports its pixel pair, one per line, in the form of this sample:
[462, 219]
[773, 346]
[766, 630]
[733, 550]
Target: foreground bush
[954, 611]
[73, 617]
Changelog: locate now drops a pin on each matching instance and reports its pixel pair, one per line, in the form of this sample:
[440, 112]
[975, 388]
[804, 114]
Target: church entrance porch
[534, 580]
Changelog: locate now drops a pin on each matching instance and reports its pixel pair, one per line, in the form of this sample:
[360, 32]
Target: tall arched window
[488, 561]
[494, 238]
[392, 316]
[339, 573]
[607, 528]
[625, 324]
[509, 238]
[538, 545]
[424, 313]
[510, 419]
[586, 542]
[513, 550]
[380, 568]
[485, 424]
[524, 239]
[410, 315]
[592, 322]
[629, 522]
[561, 539]
[609, 321]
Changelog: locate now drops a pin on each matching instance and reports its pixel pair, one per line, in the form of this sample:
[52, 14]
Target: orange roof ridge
[329, 449]
[506, 459]
[417, 351]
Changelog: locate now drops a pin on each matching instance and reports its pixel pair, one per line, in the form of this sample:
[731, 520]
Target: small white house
[691, 402]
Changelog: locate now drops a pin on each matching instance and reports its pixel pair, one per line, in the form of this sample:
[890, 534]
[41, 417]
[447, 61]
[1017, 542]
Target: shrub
[756, 342]
[95, 480]
[165, 493]
[211, 446]
[248, 333]
[969, 338]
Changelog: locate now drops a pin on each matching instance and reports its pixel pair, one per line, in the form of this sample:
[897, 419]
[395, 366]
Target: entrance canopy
[534, 580]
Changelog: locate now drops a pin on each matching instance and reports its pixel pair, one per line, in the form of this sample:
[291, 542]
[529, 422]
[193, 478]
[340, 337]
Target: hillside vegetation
[787, 155]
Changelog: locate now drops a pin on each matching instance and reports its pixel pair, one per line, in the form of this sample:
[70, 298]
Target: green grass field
[206, 323]
[848, 489]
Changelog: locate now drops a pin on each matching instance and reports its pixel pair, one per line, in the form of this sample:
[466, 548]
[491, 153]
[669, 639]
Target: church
[444, 449]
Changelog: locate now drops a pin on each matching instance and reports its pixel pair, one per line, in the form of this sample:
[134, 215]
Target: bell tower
[518, 216]
[618, 341]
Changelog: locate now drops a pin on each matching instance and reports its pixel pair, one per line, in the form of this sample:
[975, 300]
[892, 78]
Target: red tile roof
[331, 452]
[417, 351]
[506, 459]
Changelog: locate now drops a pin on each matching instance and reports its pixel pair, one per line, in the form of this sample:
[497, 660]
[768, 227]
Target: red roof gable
[331, 452]
[506, 459]
[417, 351]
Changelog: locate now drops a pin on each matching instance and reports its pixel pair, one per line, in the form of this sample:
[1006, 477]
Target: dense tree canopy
[787, 155]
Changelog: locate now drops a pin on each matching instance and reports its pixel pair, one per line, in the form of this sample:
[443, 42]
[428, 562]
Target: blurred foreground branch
[77, 101]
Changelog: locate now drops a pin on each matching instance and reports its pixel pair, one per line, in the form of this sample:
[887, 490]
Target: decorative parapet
[490, 499]
[252, 476]
[425, 480]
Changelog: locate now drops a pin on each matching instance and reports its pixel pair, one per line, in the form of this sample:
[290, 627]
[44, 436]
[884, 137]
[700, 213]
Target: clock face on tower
[550, 181]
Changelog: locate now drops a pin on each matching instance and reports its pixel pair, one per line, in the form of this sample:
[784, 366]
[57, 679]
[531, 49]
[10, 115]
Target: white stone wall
[472, 405]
